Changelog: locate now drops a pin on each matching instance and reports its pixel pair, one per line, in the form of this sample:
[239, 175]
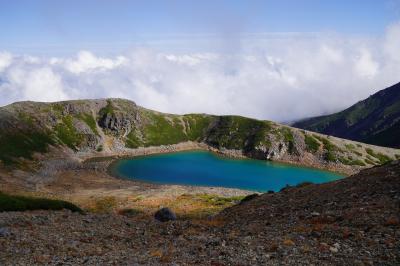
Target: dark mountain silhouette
[375, 120]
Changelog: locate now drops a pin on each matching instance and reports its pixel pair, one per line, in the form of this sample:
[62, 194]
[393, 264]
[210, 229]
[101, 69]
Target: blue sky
[279, 60]
[68, 26]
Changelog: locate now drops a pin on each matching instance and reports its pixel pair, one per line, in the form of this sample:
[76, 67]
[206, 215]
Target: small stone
[288, 242]
[165, 215]
[323, 246]
[392, 221]
[315, 234]
[333, 249]
[87, 220]
[214, 242]
[315, 214]
[4, 232]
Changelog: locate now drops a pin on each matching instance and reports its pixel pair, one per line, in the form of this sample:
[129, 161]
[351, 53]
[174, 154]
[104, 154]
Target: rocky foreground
[354, 221]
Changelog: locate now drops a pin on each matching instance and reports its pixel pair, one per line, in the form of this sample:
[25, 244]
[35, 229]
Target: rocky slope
[113, 126]
[353, 221]
[375, 120]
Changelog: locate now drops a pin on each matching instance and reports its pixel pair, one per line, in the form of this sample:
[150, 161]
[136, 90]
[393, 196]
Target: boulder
[165, 215]
[4, 232]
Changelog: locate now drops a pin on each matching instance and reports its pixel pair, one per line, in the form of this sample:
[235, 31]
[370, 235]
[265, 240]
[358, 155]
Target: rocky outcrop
[115, 122]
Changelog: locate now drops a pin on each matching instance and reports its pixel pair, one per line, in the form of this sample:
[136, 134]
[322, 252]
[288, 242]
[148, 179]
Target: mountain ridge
[375, 120]
[103, 126]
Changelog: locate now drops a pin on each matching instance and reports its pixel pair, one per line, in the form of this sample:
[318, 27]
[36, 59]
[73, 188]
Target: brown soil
[354, 221]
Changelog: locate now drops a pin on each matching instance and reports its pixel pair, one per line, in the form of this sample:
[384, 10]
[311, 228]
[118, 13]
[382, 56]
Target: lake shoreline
[228, 153]
[83, 177]
[177, 168]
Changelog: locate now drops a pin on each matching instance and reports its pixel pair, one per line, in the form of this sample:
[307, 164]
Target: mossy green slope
[24, 203]
[236, 132]
[28, 127]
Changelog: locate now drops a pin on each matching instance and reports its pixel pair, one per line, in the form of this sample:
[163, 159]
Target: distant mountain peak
[375, 120]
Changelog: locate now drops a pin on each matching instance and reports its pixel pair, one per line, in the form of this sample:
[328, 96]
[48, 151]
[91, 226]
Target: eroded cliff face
[113, 125]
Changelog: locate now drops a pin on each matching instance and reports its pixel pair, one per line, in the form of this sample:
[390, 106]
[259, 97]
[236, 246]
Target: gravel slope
[354, 221]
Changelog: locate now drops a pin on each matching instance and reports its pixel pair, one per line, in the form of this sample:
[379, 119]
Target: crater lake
[203, 168]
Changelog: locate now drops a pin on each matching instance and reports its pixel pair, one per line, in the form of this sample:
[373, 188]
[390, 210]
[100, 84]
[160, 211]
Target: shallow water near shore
[203, 168]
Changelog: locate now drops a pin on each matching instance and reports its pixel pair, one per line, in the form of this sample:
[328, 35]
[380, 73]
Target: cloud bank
[281, 78]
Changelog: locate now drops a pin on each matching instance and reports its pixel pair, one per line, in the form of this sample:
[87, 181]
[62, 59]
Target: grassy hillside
[110, 125]
[375, 120]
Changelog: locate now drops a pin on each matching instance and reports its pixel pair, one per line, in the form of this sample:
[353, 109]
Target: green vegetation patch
[381, 157]
[26, 118]
[330, 149]
[312, 145]
[90, 121]
[393, 109]
[132, 140]
[288, 138]
[369, 157]
[22, 203]
[351, 161]
[236, 132]
[361, 110]
[197, 125]
[368, 161]
[350, 146]
[67, 134]
[108, 109]
[163, 131]
[58, 108]
[14, 145]
[160, 129]
[218, 200]
[330, 156]
[397, 156]
[233, 132]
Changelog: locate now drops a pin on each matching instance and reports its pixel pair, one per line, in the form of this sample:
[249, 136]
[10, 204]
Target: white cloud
[392, 42]
[86, 61]
[43, 85]
[365, 66]
[270, 78]
[36, 84]
[5, 60]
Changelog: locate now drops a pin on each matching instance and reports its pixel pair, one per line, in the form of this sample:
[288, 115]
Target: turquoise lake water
[202, 168]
